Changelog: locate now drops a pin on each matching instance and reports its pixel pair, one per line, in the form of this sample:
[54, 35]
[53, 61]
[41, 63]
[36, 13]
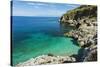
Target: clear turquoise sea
[34, 36]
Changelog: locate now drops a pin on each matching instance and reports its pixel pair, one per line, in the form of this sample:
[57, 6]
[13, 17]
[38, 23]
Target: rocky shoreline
[47, 59]
[83, 24]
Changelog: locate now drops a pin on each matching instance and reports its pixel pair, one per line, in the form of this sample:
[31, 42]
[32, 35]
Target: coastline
[84, 21]
[85, 33]
[47, 59]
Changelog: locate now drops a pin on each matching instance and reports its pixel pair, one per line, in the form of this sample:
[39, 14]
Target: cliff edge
[83, 23]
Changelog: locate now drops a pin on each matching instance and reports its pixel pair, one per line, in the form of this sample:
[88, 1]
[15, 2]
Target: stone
[45, 59]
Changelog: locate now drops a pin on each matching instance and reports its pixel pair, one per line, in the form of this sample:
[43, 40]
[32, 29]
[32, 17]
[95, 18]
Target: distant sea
[35, 36]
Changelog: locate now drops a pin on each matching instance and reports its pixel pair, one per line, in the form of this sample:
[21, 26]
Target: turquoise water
[34, 36]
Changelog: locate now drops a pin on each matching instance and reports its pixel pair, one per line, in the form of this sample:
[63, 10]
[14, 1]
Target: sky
[32, 8]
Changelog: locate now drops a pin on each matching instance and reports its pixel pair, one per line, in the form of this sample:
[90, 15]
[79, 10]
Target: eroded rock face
[85, 31]
[45, 59]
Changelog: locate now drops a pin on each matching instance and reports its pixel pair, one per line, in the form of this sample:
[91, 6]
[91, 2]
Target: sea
[35, 36]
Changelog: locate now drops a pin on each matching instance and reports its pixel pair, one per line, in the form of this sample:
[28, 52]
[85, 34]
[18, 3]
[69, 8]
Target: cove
[35, 36]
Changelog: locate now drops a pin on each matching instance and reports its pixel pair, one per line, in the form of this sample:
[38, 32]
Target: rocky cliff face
[83, 21]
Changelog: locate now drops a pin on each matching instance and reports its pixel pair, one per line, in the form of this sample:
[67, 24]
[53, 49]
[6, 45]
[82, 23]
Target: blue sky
[30, 8]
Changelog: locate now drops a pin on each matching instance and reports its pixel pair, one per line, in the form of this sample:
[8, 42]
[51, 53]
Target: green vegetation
[81, 12]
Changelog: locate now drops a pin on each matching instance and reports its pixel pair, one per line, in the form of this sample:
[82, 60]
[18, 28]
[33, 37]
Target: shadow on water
[80, 56]
[75, 42]
[66, 27]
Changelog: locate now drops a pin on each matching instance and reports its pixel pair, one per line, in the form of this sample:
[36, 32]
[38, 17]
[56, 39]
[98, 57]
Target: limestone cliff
[83, 23]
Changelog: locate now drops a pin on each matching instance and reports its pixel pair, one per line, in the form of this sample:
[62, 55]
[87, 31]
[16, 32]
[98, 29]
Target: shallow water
[34, 36]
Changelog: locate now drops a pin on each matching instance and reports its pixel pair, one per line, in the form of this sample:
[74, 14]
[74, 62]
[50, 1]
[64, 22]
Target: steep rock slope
[83, 27]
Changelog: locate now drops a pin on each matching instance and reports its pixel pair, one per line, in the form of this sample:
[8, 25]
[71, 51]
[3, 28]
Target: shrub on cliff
[81, 12]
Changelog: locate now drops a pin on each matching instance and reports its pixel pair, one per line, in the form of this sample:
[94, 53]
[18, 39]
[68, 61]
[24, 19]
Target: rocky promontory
[83, 27]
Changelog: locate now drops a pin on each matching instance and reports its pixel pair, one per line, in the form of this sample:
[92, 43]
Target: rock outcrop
[83, 23]
[47, 59]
